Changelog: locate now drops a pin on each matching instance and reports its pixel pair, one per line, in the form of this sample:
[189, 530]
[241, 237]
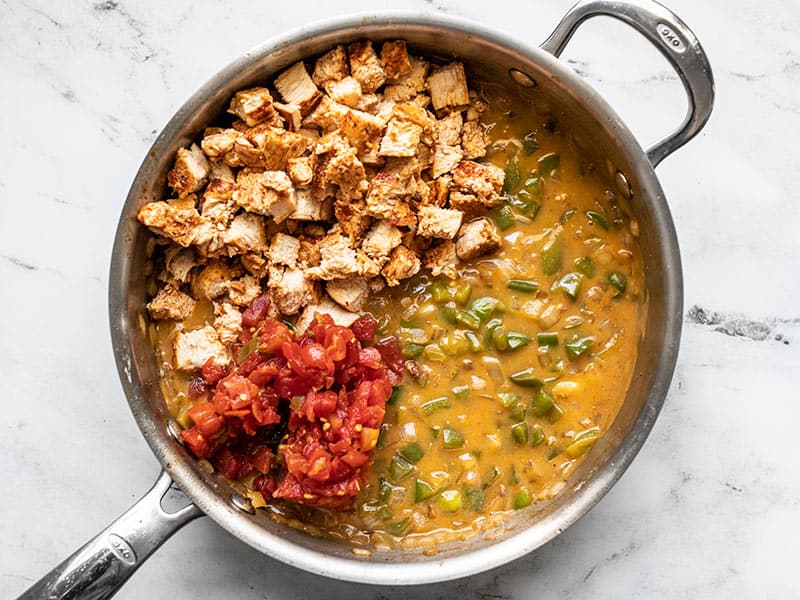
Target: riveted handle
[667, 32]
[102, 565]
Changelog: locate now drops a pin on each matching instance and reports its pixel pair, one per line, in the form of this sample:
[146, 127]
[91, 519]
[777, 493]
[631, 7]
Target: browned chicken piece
[255, 263]
[227, 322]
[438, 222]
[477, 238]
[484, 181]
[233, 148]
[300, 170]
[413, 112]
[346, 91]
[296, 87]
[401, 139]
[253, 106]
[387, 198]
[179, 263]
[331, 66]
[308, 208]
[192, 349]
[213, 280]
[269, 193]
[476, 107]
[291, 115]
[284, 250]
[362, 129]
[350, 293]
[450, 129]
[247, 233]
[325, 306]
[351, 217]
[328, 115]
[276, 145]
[338, 260]
[290, 289]
[448, 87]
[474, 140]
[410, 84]
[445, 158]
[380, 240]
[440, 190]
[244, 290]
[345, 170]
[190, 171]
[394, 59]
[178, 222]
[403, 263]
[365, 66]
[171, 303]
[442, 260]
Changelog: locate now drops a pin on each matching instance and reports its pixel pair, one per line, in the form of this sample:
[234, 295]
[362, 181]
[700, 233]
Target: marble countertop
[710, 508]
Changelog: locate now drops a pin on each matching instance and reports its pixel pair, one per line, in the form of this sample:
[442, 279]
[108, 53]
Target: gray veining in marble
[711, 507]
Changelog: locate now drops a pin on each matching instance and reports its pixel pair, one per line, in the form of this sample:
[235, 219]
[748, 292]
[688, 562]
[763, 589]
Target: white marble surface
[710, 508]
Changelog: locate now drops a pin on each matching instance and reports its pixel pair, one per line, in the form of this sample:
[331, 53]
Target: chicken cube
[244, 290]
[474, 140]
[485, 181]
[253, 106]
[477, 238]
[232, 148]
[365, 66]
[445, 158]
[190, 171]
[350, 293]
[291, 115]
[438, 222]
[300, 170]
[290, 289]
[171, 303]
[269, 193]
[347, 171]
[308, 208]
[362, 129]
[442, 260]
[296, 87]
[227, 322]
[448, 87]
[192, 349]
[284, 250]
[439, 190]
[332, 66]
[338, 260]
[403, 263]
[325, 306]
[381, 239]
[276, 145]
[394, 59]
[213, 280]
[247, 233]
[401, 139]
[328, 115]
[183, 225]
[387, 198]
[346, 91]
[408, 85]
[351, 216]
[179, 263]
[450, 129]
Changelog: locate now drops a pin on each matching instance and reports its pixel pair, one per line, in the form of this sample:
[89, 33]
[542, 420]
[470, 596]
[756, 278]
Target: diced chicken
[466, 202]
[296, 87]
[220, 177]
[190, 171]
[365, 66]
[440, 190]
[351, 216]
[448, 87]
[331, 66]
[284, 250]
[338, 260]
[442, 260]
[181, 224]
[255, 263]
[227, 322]
[394, 59]
[290, 289]
[445, 158]
[410, 84]
[276, 145]
[362, 130]
[403, 167]
[410, 111]
[244, 290]
[325, 306]
[401, 139]
[380, 240]
[291, 114]
[247, 233]
[368, 103]
[213, 280]
[192, 349]
[309, 208]
[477, 238]
[300, 170]
[450, 129]
[233, 148]
[349, 293]
[328, 115]
[403, 263]
[253, 106]
[476, 107]
[474, 140]
[347, 171]
[269, 193]
[387, 198]
[179, 263]
[309, 255]
[485, 181]
[346, 91]
[171, 303]
[438, 222]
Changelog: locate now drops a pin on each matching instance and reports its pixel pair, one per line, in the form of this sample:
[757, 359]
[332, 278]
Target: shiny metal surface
[490, 55]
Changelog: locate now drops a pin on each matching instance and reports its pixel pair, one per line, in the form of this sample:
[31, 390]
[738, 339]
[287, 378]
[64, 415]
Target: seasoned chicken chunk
[474, 140]
[247, 233]
[213, 280]
[345, 170]
[192, 349]
[442, 260]
[401, 139]
[291, 115]
[349, 293]
[438, 222]
[477, 238]
[308, 208]
[484, 181]
[410, 84]
[331, 66]
[448, 86]
[328, 115]
[179, 263]
[171, 303]
[276, 145]
[190, 171]
[284, 250]
[380, 240]
[325, 306]
[227, 322]
[232, 148]
[300, 170]
[346, 91]
[365, 66]
[403, 263]
[387, 198]
[450, 129]
[290, 289]
[362, 129]
[296, 87]
[268, 193]
[445, 158]
[183, 225]
[244, 290]
[338, 259]
[394, 59]
[253, 106]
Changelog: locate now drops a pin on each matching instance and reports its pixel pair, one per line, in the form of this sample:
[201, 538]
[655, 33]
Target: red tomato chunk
[335, 390]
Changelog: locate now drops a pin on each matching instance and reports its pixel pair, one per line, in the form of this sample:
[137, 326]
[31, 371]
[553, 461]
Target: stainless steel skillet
[100, 567]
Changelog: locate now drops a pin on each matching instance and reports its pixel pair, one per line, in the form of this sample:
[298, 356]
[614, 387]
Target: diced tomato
[232, 465]
[272, 337]
[196, 441]
[205, 419]
[255, 312]
[364, 328]
[263, 459]
[389, 348]
[212, 372]
[197, 388]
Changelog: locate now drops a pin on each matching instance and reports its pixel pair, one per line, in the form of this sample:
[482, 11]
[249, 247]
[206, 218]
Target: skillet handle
[103, 564]
[667, 32]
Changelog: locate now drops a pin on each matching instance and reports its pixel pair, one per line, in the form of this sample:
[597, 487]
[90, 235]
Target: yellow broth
[463, 445]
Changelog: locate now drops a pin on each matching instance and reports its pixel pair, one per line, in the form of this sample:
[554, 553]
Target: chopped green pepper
[439, 292]
[548, 164]
[526, 378]
[518, 413]
[547, 338]
[512, 175]
[413, 452]
[581, 444]
[491, 325]
[552, 256]
[519, 431]
[434, 352]
[387, 490]
[596, 217]
[400, 527]
[537, 435]
[507, 399]
[448, 312]
[570, 284]
[468, 319]
[522, 499]
[397, 392]
[462, 293]
[517, 340]
[399, 468]
[452, 439]
[412, 349]
[431, 406]
[484, 306]
[499, 338]
[492, 476]
[423, 490]
[529, 143]
[619, 281]
[504, 217]
[473, 341]
[543, 401]
[461, 391]
[578, 346]
[523, 285]
[475, 498]
[555, 413]
[450, 500]
[585, 266]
